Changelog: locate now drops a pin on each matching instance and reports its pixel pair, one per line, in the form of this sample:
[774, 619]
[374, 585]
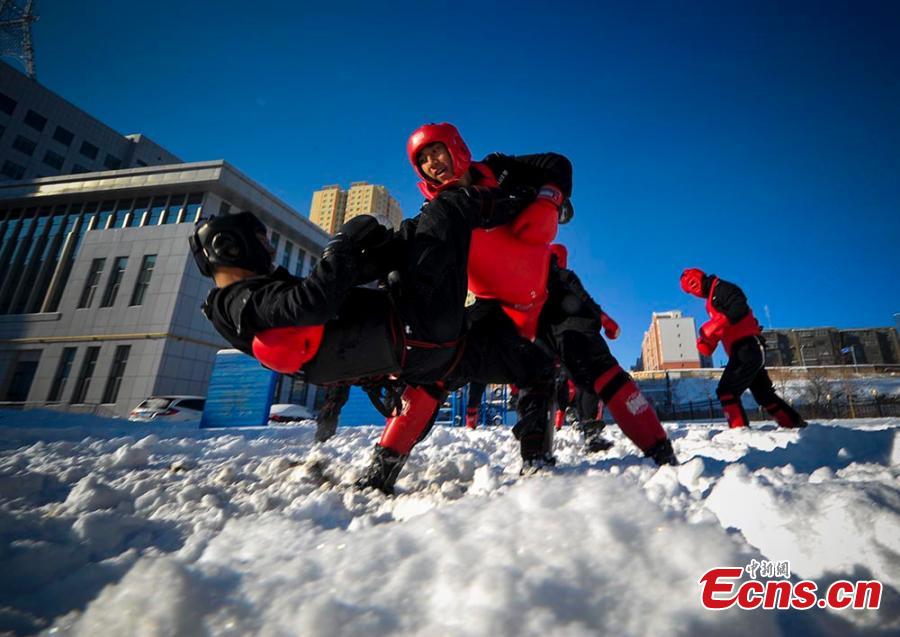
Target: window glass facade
[63, 369]
[35, 120]
[137, 215]
[7, 104]
[143, 280]
[90, 285]
[176, 202]
[116, 372]
[63, 135]
[24, 145]
[12, 169]
[121, 215]
[156, 211]
[88, 150]
[115, 280]
[192, 211]
[54, 159]
[84, 375]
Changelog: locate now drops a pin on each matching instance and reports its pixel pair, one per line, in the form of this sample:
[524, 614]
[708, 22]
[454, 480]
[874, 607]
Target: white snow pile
[112, 529]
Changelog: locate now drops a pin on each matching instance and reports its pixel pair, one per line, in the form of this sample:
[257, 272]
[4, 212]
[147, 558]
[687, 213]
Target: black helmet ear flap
[225, 246]
[199, 256]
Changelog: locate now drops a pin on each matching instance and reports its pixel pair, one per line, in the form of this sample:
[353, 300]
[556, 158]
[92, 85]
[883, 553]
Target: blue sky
[756, 140]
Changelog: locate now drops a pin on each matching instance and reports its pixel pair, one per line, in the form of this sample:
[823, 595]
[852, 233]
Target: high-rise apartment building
[331, 206]
[670, 343]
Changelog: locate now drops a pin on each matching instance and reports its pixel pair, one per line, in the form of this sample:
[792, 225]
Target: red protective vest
[511, 263]
[721, 329]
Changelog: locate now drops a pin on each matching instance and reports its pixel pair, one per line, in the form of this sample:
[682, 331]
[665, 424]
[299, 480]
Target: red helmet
[692, 281]
[449, 137]
[561, 254]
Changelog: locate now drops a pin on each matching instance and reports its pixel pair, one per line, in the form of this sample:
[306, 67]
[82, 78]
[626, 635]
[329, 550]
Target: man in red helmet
[511, 265]
[732, 323]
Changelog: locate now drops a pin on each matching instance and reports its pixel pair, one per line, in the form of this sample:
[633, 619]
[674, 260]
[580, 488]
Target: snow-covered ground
[112, 529]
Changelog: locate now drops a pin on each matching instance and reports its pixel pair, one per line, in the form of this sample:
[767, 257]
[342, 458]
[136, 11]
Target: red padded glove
[706, 346]
[610, 327]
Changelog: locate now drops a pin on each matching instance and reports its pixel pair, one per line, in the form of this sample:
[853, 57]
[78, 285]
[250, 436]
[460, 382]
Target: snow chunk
[91, 495]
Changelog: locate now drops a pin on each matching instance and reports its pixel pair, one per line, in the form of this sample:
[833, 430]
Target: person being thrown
[335, 332]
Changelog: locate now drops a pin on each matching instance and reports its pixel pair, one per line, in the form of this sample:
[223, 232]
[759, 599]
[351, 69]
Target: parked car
[289, 413]
[169, 409]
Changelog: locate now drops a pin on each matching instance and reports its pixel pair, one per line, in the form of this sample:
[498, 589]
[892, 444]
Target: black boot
[662, 453]
[327, 421]
[593, 436]
[383, 471]
[532, 429]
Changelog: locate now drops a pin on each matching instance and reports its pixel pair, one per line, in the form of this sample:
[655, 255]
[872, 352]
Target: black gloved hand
[364, 231]
[566, 212]
[498, 206]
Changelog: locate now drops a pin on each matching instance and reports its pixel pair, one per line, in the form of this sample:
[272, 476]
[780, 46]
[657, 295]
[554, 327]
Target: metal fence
[711, 409]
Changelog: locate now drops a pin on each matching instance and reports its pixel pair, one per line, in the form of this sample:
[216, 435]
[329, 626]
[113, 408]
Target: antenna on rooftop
[768, 316]
[15, 32]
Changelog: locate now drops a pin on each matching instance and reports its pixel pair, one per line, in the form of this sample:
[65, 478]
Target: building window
[115, 280]
[174, 209]
[84, 375]
[22, 376]
[288, 253]
[121, 215]
[224, 208]
[88, 150]
[156, 211]
[275, 240]
[54, 159]
[120, 360]
[63, 136]
[90, 285]
[112, 162]
[192, 210]
[12, 169]
[62, 375]
[35, 120]
[143, 280]
[140, 209]
[24, 145]
[7, 104]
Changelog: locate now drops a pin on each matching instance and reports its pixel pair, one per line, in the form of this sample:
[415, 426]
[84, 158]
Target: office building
[99, 296]
[42, 134]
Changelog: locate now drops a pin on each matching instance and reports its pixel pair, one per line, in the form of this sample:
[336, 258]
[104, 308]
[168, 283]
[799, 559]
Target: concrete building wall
[42, 134]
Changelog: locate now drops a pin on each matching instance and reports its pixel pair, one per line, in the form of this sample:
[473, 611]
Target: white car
[169, 409]
[289, 413]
